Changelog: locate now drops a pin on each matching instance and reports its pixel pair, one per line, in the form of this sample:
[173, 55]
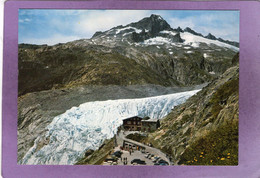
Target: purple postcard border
[249, 101]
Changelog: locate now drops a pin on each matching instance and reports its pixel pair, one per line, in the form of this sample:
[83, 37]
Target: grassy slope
[44, 69]
[220, 146]
[98, 156]
[206, 119]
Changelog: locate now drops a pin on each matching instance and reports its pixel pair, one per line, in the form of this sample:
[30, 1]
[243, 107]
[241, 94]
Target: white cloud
[183, 23]
[27, 20]
[54, 39]
[93, 21]
[227, 33]
[24, 20]
[220, 25]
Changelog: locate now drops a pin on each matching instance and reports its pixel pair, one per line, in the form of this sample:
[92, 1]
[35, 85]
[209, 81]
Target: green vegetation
[98, 156]
[223, 92]
[219, 147]
[60, 67]
[137, 137]
[186, 118]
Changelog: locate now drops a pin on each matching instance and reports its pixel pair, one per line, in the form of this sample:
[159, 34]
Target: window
[134, 122]
[128, 122]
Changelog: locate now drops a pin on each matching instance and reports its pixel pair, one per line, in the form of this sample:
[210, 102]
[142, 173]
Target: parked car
[156, 159]
[118, 154]
[141, 162]
[135, 160]
[163, 162]
[142, 151]
[151, 156]
[111, 159]
[138, 161]
[148, 155]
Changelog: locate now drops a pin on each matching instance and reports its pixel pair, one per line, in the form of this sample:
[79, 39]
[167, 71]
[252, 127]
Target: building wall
[136, 124]
[132, 124]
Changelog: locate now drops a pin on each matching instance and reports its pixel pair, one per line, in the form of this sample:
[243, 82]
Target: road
[137, 154]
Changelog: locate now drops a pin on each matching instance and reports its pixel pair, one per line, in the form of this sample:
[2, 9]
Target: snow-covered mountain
[154, 30]
[86, 127]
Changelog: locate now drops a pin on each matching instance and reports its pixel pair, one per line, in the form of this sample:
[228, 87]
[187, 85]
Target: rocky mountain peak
[210, 36]
[154, 24]
[97, 34]
[156, 17]
[179, 29]
[188, 29]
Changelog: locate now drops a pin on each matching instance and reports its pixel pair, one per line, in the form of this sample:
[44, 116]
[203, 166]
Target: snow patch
[205, 55]
[127, 33]
[170, 52]
[127, 28]
[156, 41]
[168, 32]
[195, 40]
[122, 29]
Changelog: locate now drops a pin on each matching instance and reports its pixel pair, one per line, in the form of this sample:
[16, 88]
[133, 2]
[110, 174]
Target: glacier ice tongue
[87, 126]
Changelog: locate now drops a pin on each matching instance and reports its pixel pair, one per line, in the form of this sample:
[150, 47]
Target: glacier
[85, 127]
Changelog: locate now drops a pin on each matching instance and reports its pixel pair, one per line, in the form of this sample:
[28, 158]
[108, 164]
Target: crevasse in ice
[87, 126]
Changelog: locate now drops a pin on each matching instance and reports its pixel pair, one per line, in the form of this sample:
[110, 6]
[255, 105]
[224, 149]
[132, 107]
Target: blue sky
[58, 26]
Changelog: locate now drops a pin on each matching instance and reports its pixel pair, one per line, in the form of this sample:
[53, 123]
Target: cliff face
[204, 130]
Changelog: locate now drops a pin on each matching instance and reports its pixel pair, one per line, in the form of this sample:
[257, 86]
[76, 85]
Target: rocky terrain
[204, 130]
[142, 59]
[144, 52]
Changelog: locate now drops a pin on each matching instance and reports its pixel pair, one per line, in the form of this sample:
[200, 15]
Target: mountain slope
[59, 66]
[203, 130]
[145, 52]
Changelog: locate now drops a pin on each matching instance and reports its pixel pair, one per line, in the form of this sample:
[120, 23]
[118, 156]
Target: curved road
[121, 137]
